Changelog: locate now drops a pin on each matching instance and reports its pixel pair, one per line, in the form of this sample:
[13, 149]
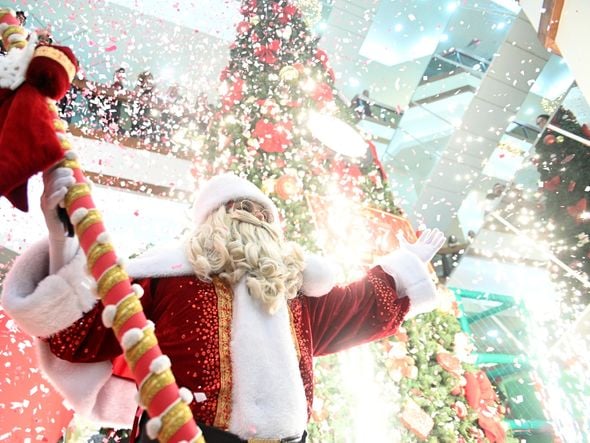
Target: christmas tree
[276, 88]
[564, 167]
[277, 85]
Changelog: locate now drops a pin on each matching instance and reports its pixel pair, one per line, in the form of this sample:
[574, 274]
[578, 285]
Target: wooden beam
[549, 24]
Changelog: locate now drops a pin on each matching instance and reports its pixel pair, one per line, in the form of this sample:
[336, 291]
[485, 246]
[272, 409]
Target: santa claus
[239, 311]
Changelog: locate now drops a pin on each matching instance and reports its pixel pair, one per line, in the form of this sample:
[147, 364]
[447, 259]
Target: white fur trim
[137, 289]
[224, 188]
[160, 364]
[13, 66]
[268, 399]
[108, 315]
[42, 305]
[153, 427]
[70, 155]
[412, 279]
[186, 395]
[319, 276]
[103, 238]
[168, 260]
[131, 338]
[90, 388]
[78, 215]
[122, 262]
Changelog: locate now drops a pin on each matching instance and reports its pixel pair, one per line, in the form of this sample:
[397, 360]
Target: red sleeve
[88, 340]
[364, 311]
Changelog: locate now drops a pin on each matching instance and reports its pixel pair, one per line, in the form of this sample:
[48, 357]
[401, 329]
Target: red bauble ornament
[549, 139]
[586, 130]
[286, 187]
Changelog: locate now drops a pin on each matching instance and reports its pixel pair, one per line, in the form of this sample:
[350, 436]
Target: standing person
[142, 105]
[240, 312]
[361, 105]
[112, 102]
[542, 120]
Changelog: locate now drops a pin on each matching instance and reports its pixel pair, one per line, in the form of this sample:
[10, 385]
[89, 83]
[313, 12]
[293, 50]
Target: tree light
[336, 135]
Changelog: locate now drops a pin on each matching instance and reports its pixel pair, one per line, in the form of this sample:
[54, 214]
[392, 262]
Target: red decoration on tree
[249, 8]
[321, 56]
[322, 93]
[551, 185]
[568, 159]
[576, 210]
[416, 420]
[586, 130]
[549, 139]
[449, 362]
[285, 13]
[242, 28]
[234, 94]
[268, 53]
[273, 137]
[482, 398]
[571, 186]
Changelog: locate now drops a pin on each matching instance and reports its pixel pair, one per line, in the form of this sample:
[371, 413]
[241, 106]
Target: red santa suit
[250, 371]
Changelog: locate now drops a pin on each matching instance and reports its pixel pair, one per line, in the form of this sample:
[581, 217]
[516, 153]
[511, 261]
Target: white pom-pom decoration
[108, 315]
[137, 289]
[131, 337]
[186, 395]
[103, 238]
[160, 364]
[70, 155]
[200, 397]
[153, 427]
[78, 215]
[122, 261]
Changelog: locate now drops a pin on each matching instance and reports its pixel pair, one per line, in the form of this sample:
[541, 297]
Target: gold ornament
[288, 73]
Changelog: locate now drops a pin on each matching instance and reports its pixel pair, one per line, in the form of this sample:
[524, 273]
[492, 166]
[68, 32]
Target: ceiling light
[452, 6]
[336, 135]
[398, 27]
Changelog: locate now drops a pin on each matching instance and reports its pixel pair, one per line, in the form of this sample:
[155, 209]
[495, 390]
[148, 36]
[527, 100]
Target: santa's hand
[56, 183]
[426, 246]
[62, 249]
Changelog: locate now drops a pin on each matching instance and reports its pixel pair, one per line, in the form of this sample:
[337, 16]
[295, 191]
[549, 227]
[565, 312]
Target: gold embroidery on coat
[224, 312]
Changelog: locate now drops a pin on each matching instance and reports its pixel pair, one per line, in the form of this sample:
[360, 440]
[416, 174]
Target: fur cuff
[40, 304]
[319, 276]
[412, 280]
[90, 389]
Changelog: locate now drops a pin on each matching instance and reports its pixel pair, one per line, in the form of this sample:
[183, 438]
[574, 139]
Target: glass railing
[134, 118]
[453, 62]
